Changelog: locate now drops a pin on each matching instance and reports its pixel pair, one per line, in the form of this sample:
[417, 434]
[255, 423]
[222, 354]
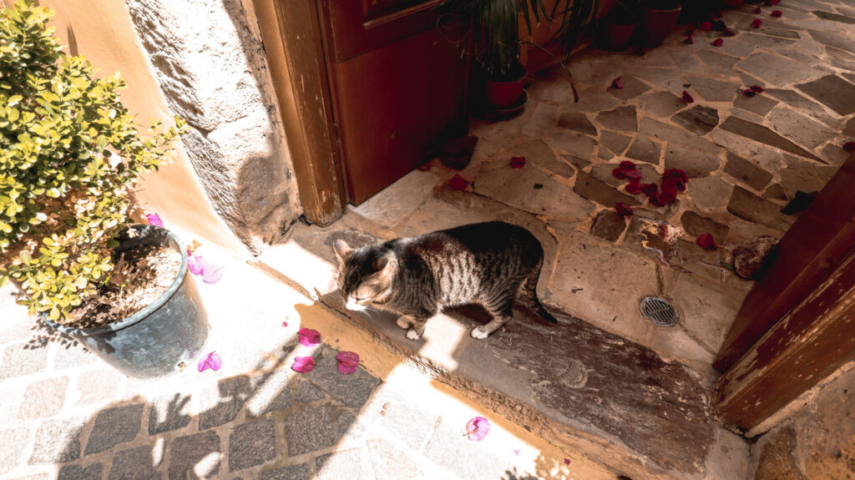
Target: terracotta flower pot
[505, 92]
[619, 30]
[659, 20]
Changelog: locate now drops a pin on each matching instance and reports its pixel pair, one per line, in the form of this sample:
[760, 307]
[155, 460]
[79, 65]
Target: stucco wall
[230, 182]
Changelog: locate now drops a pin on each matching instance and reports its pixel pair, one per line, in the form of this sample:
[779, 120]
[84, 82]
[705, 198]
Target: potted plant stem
[70, 154]
[495, 33]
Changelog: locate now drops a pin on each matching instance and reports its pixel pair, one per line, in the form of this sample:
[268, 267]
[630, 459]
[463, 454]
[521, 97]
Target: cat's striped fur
[487, 263]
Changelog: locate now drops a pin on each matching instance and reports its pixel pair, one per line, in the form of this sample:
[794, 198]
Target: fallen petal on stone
[348, 362]
[626, 165]
[707, 242]
[688, 98]
[623, 210]
[477, 429]
[284, 324]
[633, 188]
[749, 93]
[517, 452]
[705, 26]
[757, 10]
[212, 361]
[777, 13]
[619, 173]
[728, 32]
[517, 162]
[617, 84]
[650, 189]
[757, 88]
[717, 42]
[458, 183]
[634, 175]
[309, 337]
[154, 220]
[194, 263]
[757, 23]
[303, 364]
[212, 273]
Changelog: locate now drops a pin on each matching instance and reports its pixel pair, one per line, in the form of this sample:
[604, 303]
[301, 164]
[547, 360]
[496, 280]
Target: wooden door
[398, 81]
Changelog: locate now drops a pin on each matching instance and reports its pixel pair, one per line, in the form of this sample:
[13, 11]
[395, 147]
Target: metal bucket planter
[160, 339]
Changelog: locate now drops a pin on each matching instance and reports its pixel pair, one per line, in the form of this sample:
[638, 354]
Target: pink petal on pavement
[154, 219]
[212, 273]
[757, 10]
[195, 263]
[757, 23]
[757, 88]
[777, 13]
[348, 362]
[717, 42]
[303, 364]
[617, 84]
[687, 97]
[566, 461]
[517, 451]
[477, 429]
[706, 26]
[284, 324]
[309, 337]
[212, 361]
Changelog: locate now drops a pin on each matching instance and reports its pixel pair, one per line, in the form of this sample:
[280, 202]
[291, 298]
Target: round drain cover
[659, 311]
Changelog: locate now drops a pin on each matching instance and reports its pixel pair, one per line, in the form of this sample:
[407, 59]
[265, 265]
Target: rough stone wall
[817, 442]
[209, 60]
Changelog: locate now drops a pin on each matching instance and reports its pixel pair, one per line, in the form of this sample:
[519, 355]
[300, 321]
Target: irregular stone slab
[19, 359]
[578, 122]
[717, 62]
[615, 142]
[169, 412]
[57, 441]
[136, 463]
[608, 225]
[78, 472]
[307, 393]
[759, 104]
[604, 154]
[340, 464]
[114, 426]
[696, 225]
[833, 39]
[710, 193]
[772, 43]
[270, 392]
[622, 118]
[13, 442]
[688, 62]
[391, 410]
[310, 430]
[396, 202]
[761, 134]
[694, 163]
[668, 78]
[515, 187]
[291, 472]
[390, 463]
[252, 444]
[600, 192]
[714, 90]
[540, 154]
[778, 457]
[746, 171]
[833, 92]
[776, 192]
[573, 143]
[462, 456]
[221, 404]
[707, 310]
[645, 150]
[800, 175]
[594, 100]
[195, 456]
[632, 87]
[835, 154]
[671, 134]
[44, 398]
[542, 121]
[736, 48]
[661, 104]
[577, 162]
[352, 390]
[699, 119]
[745, 204]
[834, 17]
[799, 128]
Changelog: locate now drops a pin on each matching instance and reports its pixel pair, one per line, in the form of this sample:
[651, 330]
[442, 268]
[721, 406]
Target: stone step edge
[597, 447]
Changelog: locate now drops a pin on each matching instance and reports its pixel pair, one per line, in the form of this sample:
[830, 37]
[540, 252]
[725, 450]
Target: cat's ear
[342, 250]
[379, 263]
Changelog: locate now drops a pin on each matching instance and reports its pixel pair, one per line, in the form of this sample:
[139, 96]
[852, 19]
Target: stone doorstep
[576, 385]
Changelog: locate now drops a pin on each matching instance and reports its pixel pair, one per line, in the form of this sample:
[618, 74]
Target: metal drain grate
[659, 311]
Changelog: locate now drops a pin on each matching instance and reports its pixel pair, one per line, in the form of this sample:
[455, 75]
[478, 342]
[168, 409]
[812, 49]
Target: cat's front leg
[404, 321]
[417, 327]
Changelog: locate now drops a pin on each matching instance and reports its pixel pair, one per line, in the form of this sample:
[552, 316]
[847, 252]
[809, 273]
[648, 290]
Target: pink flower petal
[849, 147]
[633, 188]
[757, 10]
[309, 337]
[517, 452]
[617, 84]
[757, 88]
[707, 242]
[477, 429]
[348, 362]
[757, 23]
[212, 273]
[194, 263]
[566, 461]
[626, 165]
[705, 26]
[728, 33]
[687, 97]
[777, 13]
[619, 173]
[284, 324]
[774, 2]
[303, 364]
[634, 175]
[717, 42]
[458, 183]
[154, 220]
[212, 361]
[517, 162]
[748, 93]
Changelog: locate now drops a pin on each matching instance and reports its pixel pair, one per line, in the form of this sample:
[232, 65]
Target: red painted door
[398, 81]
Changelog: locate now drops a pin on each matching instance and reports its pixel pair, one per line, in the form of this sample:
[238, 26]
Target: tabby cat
[487, 263]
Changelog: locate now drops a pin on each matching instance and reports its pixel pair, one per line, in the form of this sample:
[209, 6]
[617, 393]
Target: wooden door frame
[294, 48]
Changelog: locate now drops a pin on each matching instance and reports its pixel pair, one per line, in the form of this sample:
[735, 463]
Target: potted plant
[70, 153]
[496, 41]
[659, 19]
[620, 26]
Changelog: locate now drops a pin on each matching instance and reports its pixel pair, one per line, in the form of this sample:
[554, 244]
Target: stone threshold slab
[580, 387]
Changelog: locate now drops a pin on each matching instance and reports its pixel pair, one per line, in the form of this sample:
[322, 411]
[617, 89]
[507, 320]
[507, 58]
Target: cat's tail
[528, 296]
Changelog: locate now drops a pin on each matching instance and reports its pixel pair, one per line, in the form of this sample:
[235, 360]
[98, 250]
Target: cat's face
[364, 275]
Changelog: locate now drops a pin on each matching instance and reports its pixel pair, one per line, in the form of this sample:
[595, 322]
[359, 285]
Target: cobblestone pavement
[67, 415]
[746, 158]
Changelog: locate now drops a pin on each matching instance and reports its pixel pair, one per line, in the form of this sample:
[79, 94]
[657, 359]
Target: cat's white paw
[478, 334]
[412, 334]
[404, 322]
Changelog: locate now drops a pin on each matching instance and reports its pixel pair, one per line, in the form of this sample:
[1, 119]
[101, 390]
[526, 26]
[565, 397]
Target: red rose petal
[688, 98]
[626, 165]
[633, 188]
[617, 84]
[757, 88]
[777, 13]
[458, 183]
[849, 147]
[656, 200]
[757, 10]
[707, 242]
[757, 23]
[517, 162]
[623, 210]
[618, 173]
[675, 173]
[633, 175]
[728, 32]
[748, 93]
[717, 42]
[668, 195]
[705, 26]
[650, 189]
